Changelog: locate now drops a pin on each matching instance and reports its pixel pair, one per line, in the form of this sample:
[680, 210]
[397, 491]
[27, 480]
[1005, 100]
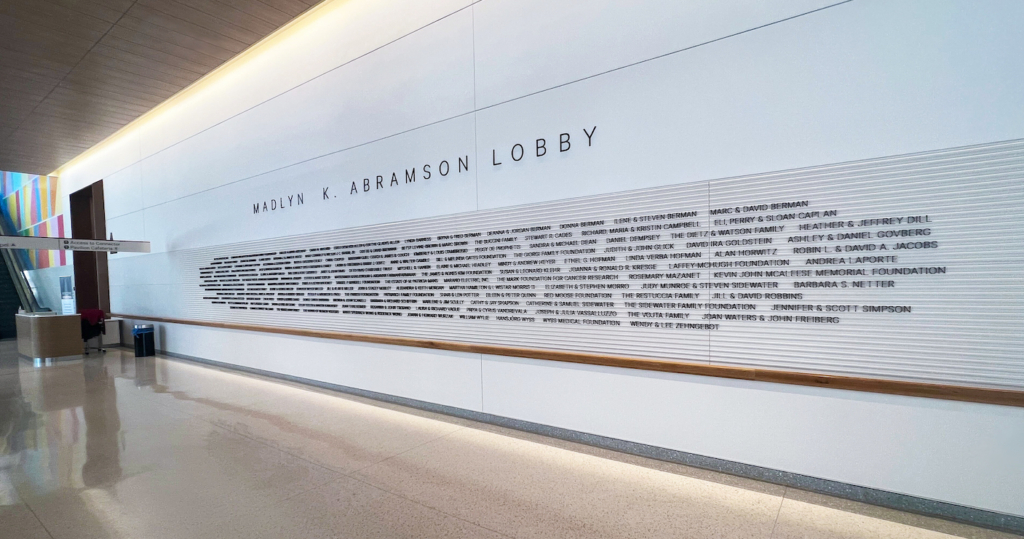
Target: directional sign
[72, 244]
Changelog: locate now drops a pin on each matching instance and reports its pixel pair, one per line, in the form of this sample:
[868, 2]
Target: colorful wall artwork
[34, 206]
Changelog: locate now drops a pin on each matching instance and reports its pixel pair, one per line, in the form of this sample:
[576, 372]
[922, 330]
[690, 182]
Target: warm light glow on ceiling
[220, 73]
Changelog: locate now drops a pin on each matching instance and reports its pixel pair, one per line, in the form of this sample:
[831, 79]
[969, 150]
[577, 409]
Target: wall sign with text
[419, 174]
[907, 267]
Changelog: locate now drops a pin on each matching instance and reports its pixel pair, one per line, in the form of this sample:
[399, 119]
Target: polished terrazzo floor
[118, 446]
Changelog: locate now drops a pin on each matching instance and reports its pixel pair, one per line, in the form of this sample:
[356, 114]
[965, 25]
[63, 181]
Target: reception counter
[49, 335]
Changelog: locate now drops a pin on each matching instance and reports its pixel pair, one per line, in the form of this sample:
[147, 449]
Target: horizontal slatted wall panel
[925, 284]
[738, 272]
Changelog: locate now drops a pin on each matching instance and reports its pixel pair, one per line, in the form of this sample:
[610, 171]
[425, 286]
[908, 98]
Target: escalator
[15, 290]
[10, 301]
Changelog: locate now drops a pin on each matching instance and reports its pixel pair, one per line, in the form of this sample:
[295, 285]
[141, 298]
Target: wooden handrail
[984, 395]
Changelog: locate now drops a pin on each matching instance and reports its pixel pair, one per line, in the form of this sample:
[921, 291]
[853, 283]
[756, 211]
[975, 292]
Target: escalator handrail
[17, 270]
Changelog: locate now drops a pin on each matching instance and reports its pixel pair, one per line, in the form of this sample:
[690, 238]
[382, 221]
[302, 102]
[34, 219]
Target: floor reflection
[61, 437]
[16, 419]
[114, 446]
[60, 425]
[102, 424]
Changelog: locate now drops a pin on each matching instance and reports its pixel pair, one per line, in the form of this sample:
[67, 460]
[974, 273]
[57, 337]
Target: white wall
[372, 87]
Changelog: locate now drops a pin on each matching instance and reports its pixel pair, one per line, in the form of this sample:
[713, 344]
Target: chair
[93, 325]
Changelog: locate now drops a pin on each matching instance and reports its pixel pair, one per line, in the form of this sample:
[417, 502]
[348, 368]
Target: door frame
[89, 221]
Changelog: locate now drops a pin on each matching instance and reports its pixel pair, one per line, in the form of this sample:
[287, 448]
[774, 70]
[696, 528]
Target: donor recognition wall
[899, 268]
[754, 198]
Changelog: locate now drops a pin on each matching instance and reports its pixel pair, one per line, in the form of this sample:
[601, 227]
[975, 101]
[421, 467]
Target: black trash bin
[143, 334]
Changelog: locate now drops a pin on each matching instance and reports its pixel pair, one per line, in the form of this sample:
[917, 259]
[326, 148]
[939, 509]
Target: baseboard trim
[892, 500]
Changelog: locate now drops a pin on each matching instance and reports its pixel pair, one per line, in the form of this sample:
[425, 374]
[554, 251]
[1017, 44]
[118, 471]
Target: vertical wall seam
[476, 148]
[482, 383]
[708, 292]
